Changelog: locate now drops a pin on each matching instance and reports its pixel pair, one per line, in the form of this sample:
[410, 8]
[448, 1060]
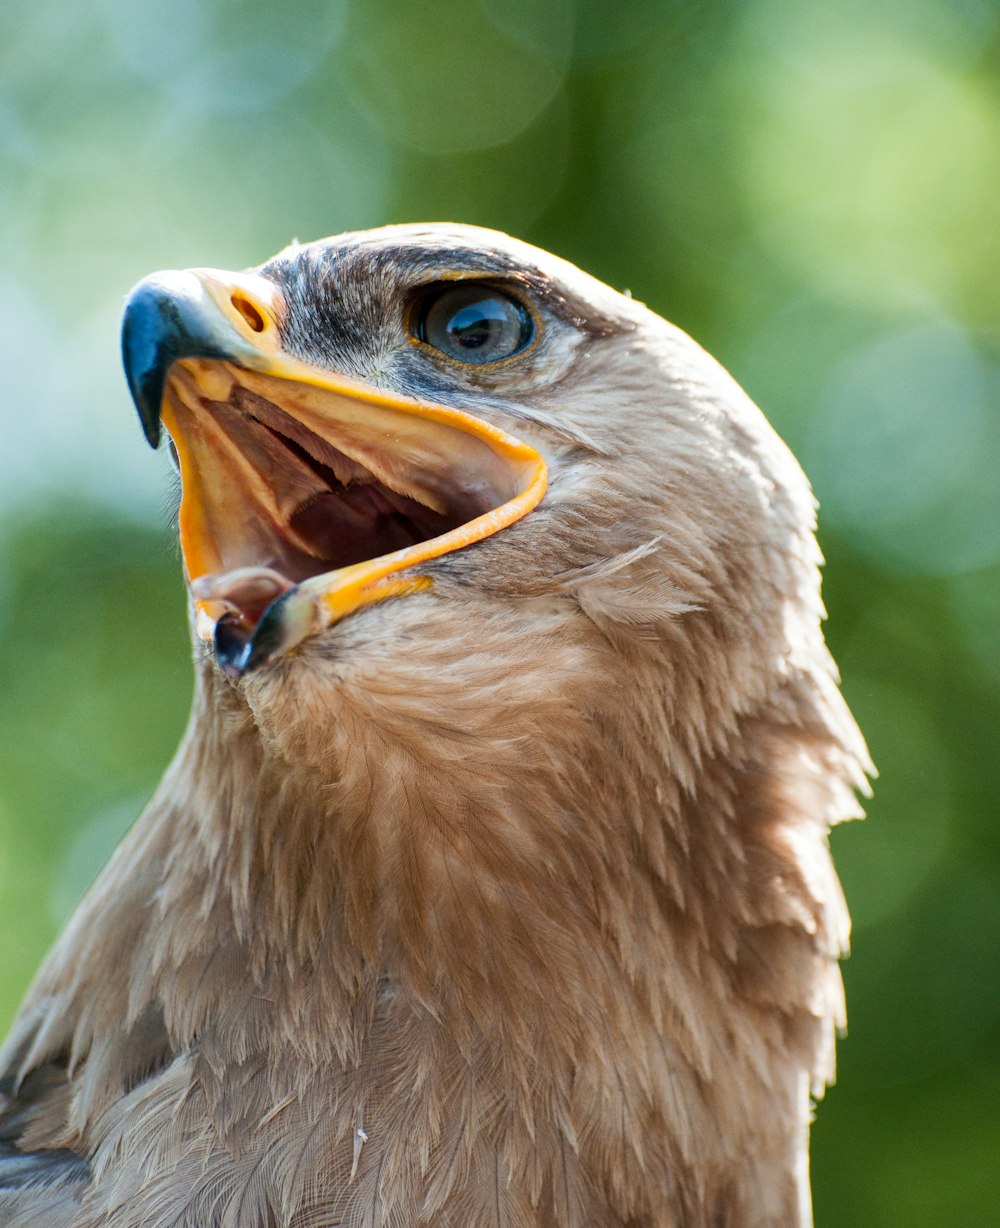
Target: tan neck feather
[566, 924]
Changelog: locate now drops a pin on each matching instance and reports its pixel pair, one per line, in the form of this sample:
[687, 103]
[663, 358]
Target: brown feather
[525, 878]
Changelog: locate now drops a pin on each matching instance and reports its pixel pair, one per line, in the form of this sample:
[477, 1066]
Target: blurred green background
[810, 189]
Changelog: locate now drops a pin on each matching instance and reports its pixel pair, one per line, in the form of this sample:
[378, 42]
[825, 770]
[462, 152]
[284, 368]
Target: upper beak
[197, 313]
[282, 461]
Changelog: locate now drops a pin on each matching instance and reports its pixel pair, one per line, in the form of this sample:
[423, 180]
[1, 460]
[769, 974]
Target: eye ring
[474, 323]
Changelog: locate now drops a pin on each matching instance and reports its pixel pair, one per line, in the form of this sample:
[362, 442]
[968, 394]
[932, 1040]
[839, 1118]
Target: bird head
[425, 452]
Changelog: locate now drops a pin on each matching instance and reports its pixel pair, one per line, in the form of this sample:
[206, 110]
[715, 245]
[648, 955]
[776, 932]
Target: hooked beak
[305, 495]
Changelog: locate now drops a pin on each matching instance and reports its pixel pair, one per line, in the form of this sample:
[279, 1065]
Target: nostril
[249, 312]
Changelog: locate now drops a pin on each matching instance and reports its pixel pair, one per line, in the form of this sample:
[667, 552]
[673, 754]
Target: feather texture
[505, 905]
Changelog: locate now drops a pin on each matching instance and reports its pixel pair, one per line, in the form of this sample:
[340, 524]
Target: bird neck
[571, 943]
[462, 878]
[520, 891]
[461, 925]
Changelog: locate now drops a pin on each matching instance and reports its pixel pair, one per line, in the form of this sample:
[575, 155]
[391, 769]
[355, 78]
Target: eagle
[490, 885]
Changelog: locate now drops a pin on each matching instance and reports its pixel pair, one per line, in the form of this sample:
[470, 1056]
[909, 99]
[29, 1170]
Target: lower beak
[305, 495]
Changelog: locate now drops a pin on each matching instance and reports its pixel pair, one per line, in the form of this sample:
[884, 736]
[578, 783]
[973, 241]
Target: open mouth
[306, 498]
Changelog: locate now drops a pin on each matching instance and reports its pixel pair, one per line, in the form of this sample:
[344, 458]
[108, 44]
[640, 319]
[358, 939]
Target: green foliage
[806, 188]
[95, 677]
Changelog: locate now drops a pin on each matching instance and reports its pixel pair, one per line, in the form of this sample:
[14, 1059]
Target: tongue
[248, 589]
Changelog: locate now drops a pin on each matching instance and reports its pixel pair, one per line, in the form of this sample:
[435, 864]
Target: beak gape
[305, 495]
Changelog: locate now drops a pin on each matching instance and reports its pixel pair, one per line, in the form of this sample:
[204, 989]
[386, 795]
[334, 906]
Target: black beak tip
[166, 318]
[147, 352]
[270, 635]
[233, 645]
[240, 650]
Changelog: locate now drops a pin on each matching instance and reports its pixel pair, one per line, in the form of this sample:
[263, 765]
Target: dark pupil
[474, 326]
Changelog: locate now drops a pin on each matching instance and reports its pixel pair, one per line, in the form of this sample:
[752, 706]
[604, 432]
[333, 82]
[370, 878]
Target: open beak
[305, 495]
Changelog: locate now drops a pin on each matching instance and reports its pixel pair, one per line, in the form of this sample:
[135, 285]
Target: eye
[474, 323]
